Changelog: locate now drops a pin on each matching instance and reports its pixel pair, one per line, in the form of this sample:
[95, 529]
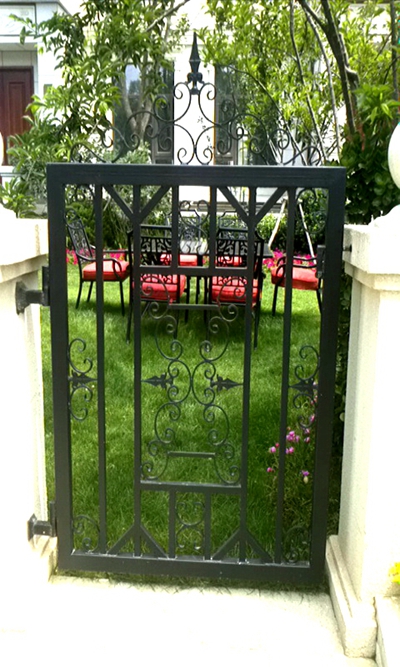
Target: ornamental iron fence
[187, 482]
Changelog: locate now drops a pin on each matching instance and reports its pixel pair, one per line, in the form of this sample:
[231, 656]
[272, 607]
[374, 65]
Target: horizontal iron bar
[229, 490]
[248, 571]
[193, 306]
[193, 455]
[213, 176]
[198, 272]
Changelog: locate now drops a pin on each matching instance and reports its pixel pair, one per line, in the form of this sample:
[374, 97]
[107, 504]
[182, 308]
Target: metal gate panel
[186, 545]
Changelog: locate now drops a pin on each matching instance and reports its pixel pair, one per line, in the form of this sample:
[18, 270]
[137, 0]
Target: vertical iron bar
[175, 229]
[213, 227]
[172, 524]
[60, 367]
[137, 361]
[207, 524]
[248, 325]
[287, 325]
[326, 379]
[101, 398]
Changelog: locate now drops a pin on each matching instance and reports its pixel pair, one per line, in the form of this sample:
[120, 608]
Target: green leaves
[370, 189]
[92, 49]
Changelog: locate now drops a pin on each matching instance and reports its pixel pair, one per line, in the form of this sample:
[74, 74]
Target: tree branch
[268, 94]
[171, 10]
[394, 41]
[329, 71]
[310, 12]
[300, 69]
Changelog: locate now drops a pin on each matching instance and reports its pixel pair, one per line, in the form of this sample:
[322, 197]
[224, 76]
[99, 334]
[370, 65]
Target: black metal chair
[114, 270]
[232, 252]
[164, 287]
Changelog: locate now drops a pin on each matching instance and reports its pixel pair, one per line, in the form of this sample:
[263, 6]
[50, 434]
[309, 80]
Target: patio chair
[232, 251]
[164, 287]
[192, 245]
[304, 277]
[114, 270]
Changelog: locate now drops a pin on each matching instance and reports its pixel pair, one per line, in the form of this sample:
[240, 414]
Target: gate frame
[331, 179]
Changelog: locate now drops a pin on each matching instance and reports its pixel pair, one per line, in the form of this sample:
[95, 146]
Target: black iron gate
[188, 481]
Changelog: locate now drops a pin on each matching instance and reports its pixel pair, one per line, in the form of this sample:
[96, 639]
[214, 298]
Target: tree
[309, 57]
[92, 49]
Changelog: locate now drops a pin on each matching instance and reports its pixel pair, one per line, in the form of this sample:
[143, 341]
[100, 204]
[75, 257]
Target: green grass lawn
[192, 429]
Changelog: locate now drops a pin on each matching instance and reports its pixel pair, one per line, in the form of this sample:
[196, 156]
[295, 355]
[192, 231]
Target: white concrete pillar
[368, 543]
[23, 248]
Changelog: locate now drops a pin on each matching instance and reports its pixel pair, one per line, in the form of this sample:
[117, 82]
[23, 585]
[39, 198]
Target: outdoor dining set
[221, 270]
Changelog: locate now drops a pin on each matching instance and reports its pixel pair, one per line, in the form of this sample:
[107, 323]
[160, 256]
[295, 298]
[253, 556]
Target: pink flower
[305, 475]
[307, 440]
[270, 470]
[272, 450]
[292, 437]
[290, 450]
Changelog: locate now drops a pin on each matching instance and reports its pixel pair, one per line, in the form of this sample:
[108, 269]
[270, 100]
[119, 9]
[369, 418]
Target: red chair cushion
[188, 260]
[162, 288]
[184, 260]
[231, 290]
[303, 278]
[111, 270]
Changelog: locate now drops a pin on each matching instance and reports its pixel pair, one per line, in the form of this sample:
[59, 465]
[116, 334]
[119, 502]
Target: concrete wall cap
[389, 223]
[375, 248]
[21, 239]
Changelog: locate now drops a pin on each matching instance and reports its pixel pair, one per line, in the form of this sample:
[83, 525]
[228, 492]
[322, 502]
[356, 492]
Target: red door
[16, 90]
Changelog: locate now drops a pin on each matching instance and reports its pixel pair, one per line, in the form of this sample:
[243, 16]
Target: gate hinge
[320, 261]
[38, 527]
[25, 297]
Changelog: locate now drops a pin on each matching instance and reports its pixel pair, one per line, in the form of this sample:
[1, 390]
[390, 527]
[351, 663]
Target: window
[143, 119]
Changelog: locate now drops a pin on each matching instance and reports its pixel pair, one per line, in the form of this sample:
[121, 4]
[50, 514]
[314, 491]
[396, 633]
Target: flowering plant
[298, 444]
[71, 257]
[272, 262]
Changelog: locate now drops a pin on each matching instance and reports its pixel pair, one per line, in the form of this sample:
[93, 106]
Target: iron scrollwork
[306, 387]
[81, 383]
[218, 139]
[87, 531]
[296, 544]
[203, 384]
[189, 516]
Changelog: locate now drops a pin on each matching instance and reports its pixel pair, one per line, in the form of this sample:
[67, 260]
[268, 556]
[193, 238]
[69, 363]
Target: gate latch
[320, 261]
[25, 297]
[39, 527]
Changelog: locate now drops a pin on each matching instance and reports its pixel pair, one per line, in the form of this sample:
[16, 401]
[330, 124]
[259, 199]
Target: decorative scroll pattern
[296, 544]
[189, 517]
[86, 532]
[80, 382]
[306, 387]
[204, 384]
[265, 142]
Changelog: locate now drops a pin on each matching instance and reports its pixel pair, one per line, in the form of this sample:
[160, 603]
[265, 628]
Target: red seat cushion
[188, 260]
[162, 288]
[184, 260]
[231, 290]
[303, 278]
[111, 270]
